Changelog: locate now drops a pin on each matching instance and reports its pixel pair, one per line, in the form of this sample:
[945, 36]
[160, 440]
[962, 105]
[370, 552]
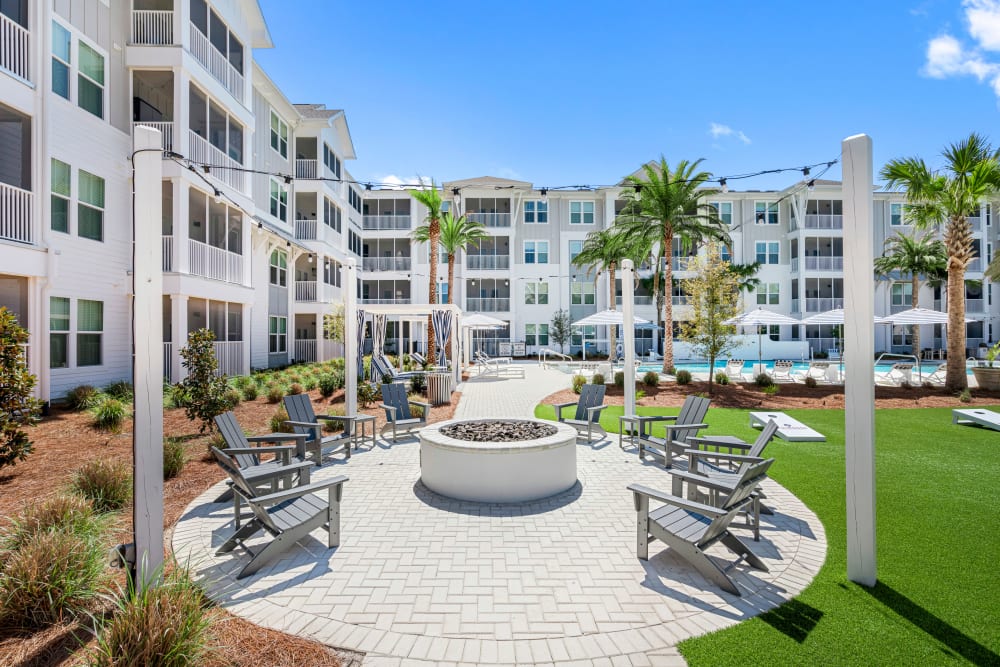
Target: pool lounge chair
[734, 369]
[588, 411]
[937, 377]
[385, 369]
[818, 370]
[901, 373]
[782, 371]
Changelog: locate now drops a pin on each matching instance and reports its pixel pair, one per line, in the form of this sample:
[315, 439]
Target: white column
[456, 363]
[628, 333]
[859, 349]
[349, 273]
[182, 214]
[178, 334]
[246, 311]
[147, 442]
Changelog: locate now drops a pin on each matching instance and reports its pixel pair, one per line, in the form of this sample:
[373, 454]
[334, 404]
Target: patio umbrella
[606, 318]
[918, 316]
[835, 317]
[477, 321]
[760, 317]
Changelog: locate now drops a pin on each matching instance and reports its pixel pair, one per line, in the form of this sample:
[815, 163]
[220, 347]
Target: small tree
[560, 329]
[17, 406]
[333, 325]
[204, 385]
[712, 296]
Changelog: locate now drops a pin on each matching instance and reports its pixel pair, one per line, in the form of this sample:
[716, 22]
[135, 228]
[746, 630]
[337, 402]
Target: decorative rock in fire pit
[498, 460]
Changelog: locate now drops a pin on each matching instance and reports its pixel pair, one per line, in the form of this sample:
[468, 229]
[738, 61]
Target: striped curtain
[378, 342]
[361, 343]
[442, 332]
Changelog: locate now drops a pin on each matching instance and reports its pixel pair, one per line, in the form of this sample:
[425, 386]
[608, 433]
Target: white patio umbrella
[478, 320]
[918, 316]
[606, 318]
[835, 317]
[760, 317]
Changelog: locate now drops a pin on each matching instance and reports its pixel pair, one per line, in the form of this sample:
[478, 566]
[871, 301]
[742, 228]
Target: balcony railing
[682, 300]
[152, 27]
[385, 222]
[490, 219]
[794, 264]
[385, 263]
[899, 307]
[402, 299]
[795, 306]
[487, 262]
[168, 254]
[232, 174]
[15, 214]
[305, 290]
[975, 305]
[166, 129]
[646, 300]
[305, 350]
[305, 230]
[305, 169]
[976, 222]
[168, 356]
[975, 266]
[824, 221]
[821, 304]
[491, 305]
[14, 48]
[230, 357]
[216, 263]
[216, 63]
[823, 344]
[824, 263]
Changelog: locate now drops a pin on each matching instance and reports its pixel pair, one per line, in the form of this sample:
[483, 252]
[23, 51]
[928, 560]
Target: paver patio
[422, 579]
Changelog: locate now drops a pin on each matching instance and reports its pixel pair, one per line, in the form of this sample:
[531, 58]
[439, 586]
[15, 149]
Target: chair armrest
[710, 441]
[595, 410]
[290, 422]
[425, 406]
[683, 503]
[700, 480]
[298, 491]
[561, 406]
[684, 427]
[337, 418]
[284, 470]
[658, 418]
[260, 450]
[277, 437]
[737, 458]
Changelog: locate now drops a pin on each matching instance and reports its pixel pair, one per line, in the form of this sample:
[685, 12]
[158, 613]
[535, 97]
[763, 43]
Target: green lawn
[938, 597]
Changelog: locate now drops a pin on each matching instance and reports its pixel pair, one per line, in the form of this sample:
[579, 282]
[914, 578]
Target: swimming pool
[800, 366]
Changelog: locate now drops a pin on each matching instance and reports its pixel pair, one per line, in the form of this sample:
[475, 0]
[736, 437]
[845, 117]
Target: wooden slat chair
[587, 417]
[689, 528]
[302, 418]
[247, 457]
[287, 515]
[397, 411]
[258, 479]
[686, 425]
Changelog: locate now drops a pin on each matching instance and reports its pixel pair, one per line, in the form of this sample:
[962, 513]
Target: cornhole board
[970, 417]
[789, 429]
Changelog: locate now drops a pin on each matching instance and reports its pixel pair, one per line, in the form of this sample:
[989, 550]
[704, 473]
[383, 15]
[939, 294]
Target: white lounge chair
[782, 371]
[937, 377]
[833, 354]
[901, 373]
[734, 369]
[818, 370]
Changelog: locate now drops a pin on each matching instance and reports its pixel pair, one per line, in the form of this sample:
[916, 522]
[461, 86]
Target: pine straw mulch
[65, 440]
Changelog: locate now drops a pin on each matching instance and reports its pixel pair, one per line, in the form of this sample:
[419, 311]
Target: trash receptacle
[439, 388]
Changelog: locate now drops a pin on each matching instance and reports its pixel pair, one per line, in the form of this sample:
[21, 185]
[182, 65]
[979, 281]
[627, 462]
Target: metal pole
[628, 334]
[349, 273]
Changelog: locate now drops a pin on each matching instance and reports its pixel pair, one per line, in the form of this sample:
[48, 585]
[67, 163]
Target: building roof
[486, 182]
[316, 111]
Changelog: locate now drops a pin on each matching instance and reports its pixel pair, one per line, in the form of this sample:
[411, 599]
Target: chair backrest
[419, 358]
[228, 463]
[234, 438]
[753, 475]
[300, 409]
[783, 366]
[692, 412]
[591, 396]
[381, 366]
[394, 395]
[907, 366]
[736, 364]
[818, 369]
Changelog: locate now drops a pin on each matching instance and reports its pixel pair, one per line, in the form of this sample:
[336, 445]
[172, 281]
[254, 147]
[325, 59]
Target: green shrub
[651, 378]
[810, 381]
[683, 377]
[327, 385]
[83, 397]
[331, 426]
[179, 396]
[174, 457]
[620, 379]
[367, 392]
[672, 370]
[121, 390]
[18, 407]
[772, 389]
[965, 396]
[250, 392]
[232, 397]
[577, 383]
[278, 420]
[242, 382]
[165, 626]
[418, 383]
[310, 383]
[206, 388]
[763, 380]
[598, 378]
[640, 394]
[107, 484]
[109, 415]
[65, 512]
[274, 393]
[295, 389]
[721, 378]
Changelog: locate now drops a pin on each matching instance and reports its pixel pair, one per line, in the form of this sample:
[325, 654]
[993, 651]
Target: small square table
[634, 422]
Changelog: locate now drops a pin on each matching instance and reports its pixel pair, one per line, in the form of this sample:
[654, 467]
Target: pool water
[800, 366]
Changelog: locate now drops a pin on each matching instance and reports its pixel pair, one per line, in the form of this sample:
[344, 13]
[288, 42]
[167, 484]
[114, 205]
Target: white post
[859, 350]
[628, 333]
[147, 374]
[349, 282]
[456, 363]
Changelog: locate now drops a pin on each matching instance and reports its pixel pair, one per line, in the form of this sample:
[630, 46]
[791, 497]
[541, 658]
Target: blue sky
[565, 93]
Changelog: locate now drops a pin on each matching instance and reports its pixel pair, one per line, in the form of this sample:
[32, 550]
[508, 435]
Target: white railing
[385, 222]
[386, 301]
[153, 27]
[15, 214]
[305, 350]
[823, 344]
[168, 361]
[229, 354]
[976, 222]
[682, 300]
[490, 219]
[975, 266]
[216, 63]
[824, 303]
[899, 307]
[331, 349]
[168, 253]
[216, 263]
[385, 263]
[201, 151]
[794, 263]
[824, 221]
[975, 305]
[795, 305]
[305, 169]
[491, 305]
[166, 130]
[646, 300]
[305, 290]
[306, 230]
[824, 263]
[487, 262]
[14, 47]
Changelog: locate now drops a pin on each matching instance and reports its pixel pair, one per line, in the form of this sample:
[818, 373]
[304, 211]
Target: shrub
[165, 625]
[965, 396]
[620, 379]
[109, 415]
[811, 382]
[295, 378]
[417, 383]
[274, 393]
[366, 393]
[331, 426]
[311, 383]
[651, 378]
[278, 420]
[820, 354]
[54, 575]
[83, 397]
[242, 382]
[173, 457]
[763, 380]
[683, 377]
[17, 405]
[250, 392]
[205, 388]
[107, 484]
[577, 382]
[327, 385]
[640, 394]
[672, 370]
[232, 397]
[721, 378]
[295, 389]
[772, 389]
[121, 390]
[179, 396]
[386, 378]
[63, 512]
[598, 378]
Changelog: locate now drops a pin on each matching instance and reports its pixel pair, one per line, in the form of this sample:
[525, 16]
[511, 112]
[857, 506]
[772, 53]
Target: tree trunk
[668, 301]
[958, 241]
[711, 373]
[435, 235]
[450, 298]
[612, 335]
[914, 303]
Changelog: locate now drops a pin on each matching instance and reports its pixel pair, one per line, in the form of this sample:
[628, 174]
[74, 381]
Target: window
[575, 248]
[331, 215]
[60, 196]
[902, 335]
[90, 327]
[279, 201]
[277, 334]
[354, 199]
[536, 293]
[580, 334]
[90, 82]
[773, 332]
[442, 292]
[895, 214]
[725, 253]
[536, 212]
[536, 252]
[768, 294]
[902, 294]
[90, 207]
[581, 212]
[767, 252]
[353, 242]
[60, 60]
[582, 294]
[279, 268]
[58, 332]
[766, 213]
[331, 160]
[725, 210]
[536, 334]
[279, 135]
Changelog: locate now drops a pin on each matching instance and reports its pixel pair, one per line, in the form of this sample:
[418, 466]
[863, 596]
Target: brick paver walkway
[420, 579]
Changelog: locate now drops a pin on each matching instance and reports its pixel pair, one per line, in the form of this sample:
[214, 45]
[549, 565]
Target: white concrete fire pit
[498, 460]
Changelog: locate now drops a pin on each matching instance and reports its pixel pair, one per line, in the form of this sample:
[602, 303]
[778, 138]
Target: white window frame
[582, 293]
[277, 340]
[539, 209]
[74, 73]
[66, 334]
[80, 202]
[68, 197]
[582, 213]
[902, 221]
[536, 293]
[536, 251]
[278, 270]
[718, 206]
[767, 252]
[767, 211]
[80, 44]
[898, 291]
[282, 141]
[278, 199]
[569, 249]
[768, 294]
[81, 332]
[902, 335]
[67, 65]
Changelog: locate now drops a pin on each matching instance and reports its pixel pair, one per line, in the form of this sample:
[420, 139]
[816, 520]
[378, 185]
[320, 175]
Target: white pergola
[410, 312]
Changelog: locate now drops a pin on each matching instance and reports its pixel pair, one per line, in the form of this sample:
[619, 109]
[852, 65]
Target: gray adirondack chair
[259, 479]
[686, 425]
[302, 418]
[689, 528]
[397, 411]
[287, 515]
[247, 457]
[588, 411]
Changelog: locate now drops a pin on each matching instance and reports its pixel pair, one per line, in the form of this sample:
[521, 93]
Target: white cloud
[719, 130]
[984, 22]
[394, 182]
[948, 57]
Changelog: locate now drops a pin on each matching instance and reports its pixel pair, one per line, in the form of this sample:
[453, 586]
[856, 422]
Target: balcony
[305, 290]
[493, 305]
[975, 306]
[795, 305]
[216, 64]
[487, 262]
[166, 131]
[899, 307]
[822, 304]
[385, 222]
[824, 221]
[168, 254]
[152, 27]
[306, 230]
[15, 214]
[794, 264]
[215, 263]
[385, 263]
[305, 350]
[490, 219]
[231, 172]
[824, 263]
[975, 266]
[14, 47]
[230, 357]
[403, 300]
[639, 300]
[306, 169]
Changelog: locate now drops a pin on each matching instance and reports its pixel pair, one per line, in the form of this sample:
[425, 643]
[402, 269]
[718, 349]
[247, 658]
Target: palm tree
[431, 198]
[456, 234]
[673, 204]
[948, 196]
[917, 256]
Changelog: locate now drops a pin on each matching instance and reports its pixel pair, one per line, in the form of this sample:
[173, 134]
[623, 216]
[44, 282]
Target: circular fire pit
[498, 460]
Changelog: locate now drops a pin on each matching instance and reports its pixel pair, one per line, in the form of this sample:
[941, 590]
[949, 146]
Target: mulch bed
[65, 440]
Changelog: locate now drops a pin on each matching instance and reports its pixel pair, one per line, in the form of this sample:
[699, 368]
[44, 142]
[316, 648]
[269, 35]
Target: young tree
[204, 386]
[17, 406]
[560, 329]
[333, 324]
[431, 232]
[712, 296]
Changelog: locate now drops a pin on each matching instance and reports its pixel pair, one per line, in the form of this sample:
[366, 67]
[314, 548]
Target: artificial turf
[937, 600]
